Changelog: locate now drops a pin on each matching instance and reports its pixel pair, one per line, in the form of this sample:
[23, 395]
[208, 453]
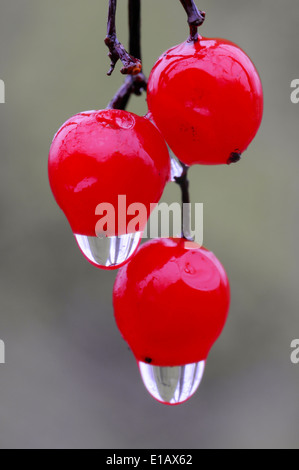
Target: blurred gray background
[70, 380]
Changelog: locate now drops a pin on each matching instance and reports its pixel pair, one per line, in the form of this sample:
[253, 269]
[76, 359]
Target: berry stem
[183, 183]
[121, 98]
[133, 84]
[195, 18]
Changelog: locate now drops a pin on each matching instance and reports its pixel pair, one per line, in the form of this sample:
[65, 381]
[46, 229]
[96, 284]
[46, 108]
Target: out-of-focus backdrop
[69, 380]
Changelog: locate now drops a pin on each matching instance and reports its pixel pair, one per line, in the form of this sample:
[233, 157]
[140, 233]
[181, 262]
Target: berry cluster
[171, 296]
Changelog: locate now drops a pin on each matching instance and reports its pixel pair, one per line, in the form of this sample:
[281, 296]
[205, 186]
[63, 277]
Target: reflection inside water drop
[172, 385]
[109, 251]
[175, 166]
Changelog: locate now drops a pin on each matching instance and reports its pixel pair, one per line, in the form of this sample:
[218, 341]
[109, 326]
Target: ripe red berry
[97, 156]
[206, 98]
[171, 302]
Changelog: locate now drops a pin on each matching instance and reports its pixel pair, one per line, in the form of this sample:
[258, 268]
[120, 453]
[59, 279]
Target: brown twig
[196, 18]
[131, 65]
[134, 84]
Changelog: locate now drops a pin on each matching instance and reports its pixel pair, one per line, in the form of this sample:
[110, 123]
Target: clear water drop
[175, 166]
[109, 252]
[172, 385]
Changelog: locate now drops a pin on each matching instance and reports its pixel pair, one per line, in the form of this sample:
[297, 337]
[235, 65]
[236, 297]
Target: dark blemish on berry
[234, 157]
[194, 134]
[148, 360]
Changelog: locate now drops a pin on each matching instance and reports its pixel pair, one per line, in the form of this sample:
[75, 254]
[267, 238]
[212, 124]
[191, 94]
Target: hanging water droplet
[109, 251]
[172, 385]
[176, 166]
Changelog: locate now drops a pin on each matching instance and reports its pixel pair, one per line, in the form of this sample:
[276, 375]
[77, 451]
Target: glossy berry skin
[97, 156]
[171, 302]
[207, 100]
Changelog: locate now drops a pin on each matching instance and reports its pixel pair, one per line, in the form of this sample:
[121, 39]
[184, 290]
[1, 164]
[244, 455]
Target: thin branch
[135, 28]
[195, 18]
[131, 65]
[121, 98]
[134, 84]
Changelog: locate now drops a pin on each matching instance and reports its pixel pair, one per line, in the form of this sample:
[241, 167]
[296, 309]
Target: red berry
[97, 156]
[206, 98]
[171, 302]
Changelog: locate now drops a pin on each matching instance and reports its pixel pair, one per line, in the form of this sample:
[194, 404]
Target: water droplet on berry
[121, 121]
[125, 122]
[189, 269]
[172, 385]
[109, 252]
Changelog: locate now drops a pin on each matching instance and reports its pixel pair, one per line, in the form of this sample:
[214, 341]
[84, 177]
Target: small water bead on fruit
[206, 98]
[172, 385]
[171, 302]
[97, 157]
